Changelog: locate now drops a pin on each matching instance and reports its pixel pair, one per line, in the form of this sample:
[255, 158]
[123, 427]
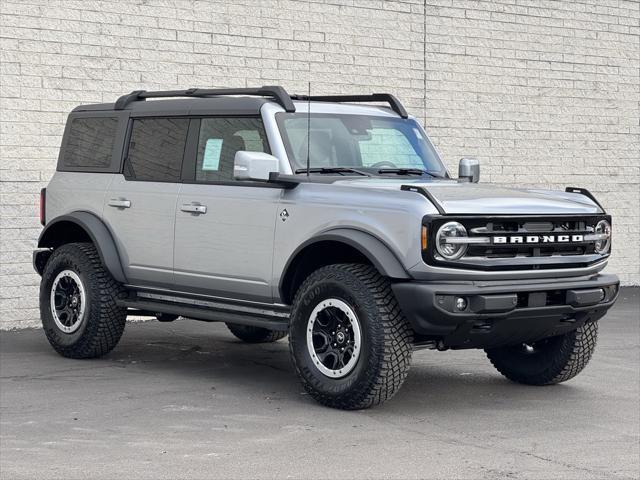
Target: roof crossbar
[393, 102]
[278, 93]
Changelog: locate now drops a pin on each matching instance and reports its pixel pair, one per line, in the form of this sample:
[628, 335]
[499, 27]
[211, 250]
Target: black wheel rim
[334, 338]
[68, 301]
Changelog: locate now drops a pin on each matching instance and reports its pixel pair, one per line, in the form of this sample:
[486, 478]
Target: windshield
[369, 143]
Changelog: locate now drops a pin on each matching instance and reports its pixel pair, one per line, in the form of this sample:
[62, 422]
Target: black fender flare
[97, 232]
[374, 249]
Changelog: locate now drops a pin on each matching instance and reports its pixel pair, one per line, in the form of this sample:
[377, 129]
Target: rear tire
[349, 341]
[250, 334]
[548, 361]
[83, 320]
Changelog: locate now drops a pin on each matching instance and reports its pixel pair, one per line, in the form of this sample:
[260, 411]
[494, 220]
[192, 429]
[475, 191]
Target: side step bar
[211, 311]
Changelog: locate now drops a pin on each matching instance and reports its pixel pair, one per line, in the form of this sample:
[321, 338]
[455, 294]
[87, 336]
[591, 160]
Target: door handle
[120, 203]
[194, 208]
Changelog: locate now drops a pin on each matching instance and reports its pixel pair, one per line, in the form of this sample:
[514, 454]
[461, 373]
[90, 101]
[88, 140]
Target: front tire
[250, 334]
[349, 341]
[78, 308]
[547, 361]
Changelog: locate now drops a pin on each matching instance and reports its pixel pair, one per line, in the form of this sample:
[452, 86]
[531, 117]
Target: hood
[474, 198]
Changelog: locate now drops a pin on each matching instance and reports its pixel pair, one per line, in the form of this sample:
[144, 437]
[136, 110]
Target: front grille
[512, 252]
[524, 227]
[540, 242]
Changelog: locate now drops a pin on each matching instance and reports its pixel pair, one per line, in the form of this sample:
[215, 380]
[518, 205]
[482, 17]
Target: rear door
[224, 228]
[140, 204]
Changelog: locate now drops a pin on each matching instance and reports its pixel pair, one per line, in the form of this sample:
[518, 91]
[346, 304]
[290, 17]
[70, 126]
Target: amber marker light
[423, 237]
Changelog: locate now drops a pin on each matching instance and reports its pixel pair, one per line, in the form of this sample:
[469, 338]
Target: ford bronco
[330, 219]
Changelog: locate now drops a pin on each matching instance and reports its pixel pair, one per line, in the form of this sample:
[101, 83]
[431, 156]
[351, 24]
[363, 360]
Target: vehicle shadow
[437, 382]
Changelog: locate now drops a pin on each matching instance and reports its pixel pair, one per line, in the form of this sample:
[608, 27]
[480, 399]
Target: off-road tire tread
[396, 337]
[106, 321]
[251, 334]
[572, 357]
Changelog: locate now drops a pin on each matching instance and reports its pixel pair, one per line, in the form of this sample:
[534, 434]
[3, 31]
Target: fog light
[461, 303]
[610, 293]
[603, 295]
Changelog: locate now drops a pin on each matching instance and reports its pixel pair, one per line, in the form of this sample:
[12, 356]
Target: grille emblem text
[528, 239]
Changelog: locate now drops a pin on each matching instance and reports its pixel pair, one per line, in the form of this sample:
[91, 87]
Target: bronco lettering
[538, 239]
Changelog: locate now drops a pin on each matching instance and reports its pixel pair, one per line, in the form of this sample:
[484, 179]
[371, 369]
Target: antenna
[309, 130]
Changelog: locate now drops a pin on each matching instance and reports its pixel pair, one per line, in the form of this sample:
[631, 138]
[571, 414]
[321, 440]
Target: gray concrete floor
[186, 400]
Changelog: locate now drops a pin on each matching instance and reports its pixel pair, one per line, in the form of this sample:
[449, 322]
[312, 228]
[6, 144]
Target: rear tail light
[43, 202]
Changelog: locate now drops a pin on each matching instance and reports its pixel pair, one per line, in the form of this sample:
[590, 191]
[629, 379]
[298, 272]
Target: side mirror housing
[469, 170]
[255, 166]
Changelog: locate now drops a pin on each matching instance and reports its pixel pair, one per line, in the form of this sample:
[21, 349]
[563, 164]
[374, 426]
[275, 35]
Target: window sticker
[212, 150]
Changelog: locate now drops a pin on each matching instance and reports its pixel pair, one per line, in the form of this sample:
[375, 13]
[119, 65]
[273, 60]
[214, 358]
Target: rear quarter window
[89, 144]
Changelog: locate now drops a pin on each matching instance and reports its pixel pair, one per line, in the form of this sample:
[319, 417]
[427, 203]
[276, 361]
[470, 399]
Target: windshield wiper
[407, 171]
[333, 170]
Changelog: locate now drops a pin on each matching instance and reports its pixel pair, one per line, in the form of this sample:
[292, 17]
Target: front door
[140, 204]
[224, 228]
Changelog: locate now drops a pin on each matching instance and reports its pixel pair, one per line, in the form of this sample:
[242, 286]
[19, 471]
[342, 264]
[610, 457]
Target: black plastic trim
[99, 234]
[207, 314]
[286, 181]
[39, 259]
[419, 302]
[239, 302]
[379, 254]
[191, 152]
[43, 206]
[426, 193]
[586, 193]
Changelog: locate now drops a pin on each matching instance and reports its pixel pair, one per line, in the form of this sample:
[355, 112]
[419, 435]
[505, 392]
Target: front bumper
[504, 312]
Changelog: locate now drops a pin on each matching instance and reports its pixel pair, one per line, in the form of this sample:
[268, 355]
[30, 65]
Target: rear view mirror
[469, 170]
[254, 166]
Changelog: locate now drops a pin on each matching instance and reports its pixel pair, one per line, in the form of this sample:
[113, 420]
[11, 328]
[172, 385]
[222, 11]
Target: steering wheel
[384, 163]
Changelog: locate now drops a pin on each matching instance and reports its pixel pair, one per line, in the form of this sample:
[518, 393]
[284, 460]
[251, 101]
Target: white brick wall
[544, 93]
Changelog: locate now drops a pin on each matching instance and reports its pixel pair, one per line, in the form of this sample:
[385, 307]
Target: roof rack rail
[278, 93]
[393, 102]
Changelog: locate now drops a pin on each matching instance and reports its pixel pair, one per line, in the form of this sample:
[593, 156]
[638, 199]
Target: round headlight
[603, 228]
[446, 243]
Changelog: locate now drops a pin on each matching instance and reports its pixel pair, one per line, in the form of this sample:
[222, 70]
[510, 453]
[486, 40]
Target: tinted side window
[220, 139]
[156, 149]
[90, 143]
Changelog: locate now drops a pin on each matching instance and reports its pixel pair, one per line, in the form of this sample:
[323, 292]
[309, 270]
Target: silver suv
[318, 217]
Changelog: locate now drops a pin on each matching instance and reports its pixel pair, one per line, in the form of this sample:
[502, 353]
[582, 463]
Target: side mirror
[469, 170]
[254, 166]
